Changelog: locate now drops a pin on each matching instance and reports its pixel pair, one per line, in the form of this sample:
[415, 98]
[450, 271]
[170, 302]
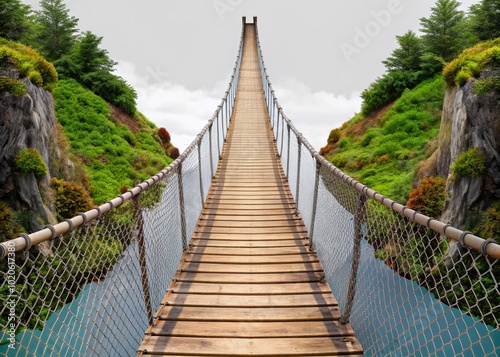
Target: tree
[445, 30]
[91, 66]
[408, 56]
[14, 19]
[57, 30]
[486, 19]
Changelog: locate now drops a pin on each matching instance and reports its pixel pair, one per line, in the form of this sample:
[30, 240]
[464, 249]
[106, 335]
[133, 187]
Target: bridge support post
[288, 156]
[141, 243]
[359, 218]
[182, 208]
[202, 193]
[211, 151]
[299, 144]
[315, 205]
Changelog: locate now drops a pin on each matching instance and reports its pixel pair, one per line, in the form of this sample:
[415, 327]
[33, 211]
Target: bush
[9, 228]
[387, 89]
[334, 136]
[70, 199]
[429, 197]
[16, 88]
[164, 136]
[471, 163]
[28, 62]
[29, 161]
[471, 62]
[486, 86]
[489, 226]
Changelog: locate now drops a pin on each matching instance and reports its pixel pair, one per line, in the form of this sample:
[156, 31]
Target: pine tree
[57, 30]
[13, 19]
[486, 19]
[408, 56]
[445, 30]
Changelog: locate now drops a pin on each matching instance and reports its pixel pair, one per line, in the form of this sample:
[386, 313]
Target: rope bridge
[404, 284]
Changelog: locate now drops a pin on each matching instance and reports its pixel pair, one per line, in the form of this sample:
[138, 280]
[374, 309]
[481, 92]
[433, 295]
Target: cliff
[469, 121]
[27, 122]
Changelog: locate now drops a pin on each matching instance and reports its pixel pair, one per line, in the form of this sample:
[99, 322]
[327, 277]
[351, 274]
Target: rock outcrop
[26, 122]
[469, 121]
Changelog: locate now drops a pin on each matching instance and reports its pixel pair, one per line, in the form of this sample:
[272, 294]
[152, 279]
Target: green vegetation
[114, 155]
[471, 62]
[70, 199]
[91, 66]
[14, 16]
[55, 31]
[29, 161]
[29, 63]
[471, 163]
[429, 197]
[384, 156]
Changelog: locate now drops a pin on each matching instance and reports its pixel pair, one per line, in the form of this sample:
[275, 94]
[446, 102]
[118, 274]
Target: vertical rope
[211, 152]
[200, 173]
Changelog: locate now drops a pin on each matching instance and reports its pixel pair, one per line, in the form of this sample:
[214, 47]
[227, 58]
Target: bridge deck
[249, 284]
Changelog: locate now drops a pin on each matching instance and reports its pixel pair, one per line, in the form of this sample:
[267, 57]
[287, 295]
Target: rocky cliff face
[469, 121]
[26, 122]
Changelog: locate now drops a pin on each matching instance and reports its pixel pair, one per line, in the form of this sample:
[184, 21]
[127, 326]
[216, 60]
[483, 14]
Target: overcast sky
[320, 54]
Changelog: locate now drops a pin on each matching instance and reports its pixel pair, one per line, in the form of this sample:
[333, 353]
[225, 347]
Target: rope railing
[90, 284]
[409, 285]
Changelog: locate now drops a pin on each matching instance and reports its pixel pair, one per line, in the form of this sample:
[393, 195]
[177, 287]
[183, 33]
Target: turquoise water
[403, 319]
[116, 303]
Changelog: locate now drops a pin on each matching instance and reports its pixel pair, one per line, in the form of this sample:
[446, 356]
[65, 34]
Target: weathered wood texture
[248, 284]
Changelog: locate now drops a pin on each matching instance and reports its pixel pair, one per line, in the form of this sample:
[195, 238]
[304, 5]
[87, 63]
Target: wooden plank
[251, 289]
[250, 237]
[248, 244]
[290, 329]
[249, 301]
[266, 314]
[252, 224]
[251, 269]
[227, 278]
[248, 251]
[252, 259]
[235, 218]
[318, 346]
[253, 230]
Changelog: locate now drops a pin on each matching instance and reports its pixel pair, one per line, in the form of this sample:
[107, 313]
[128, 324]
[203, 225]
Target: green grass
[114, 156]
[385, 156]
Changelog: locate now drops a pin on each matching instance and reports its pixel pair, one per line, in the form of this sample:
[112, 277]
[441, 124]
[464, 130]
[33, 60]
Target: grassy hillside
[116, 149]
[382, 150]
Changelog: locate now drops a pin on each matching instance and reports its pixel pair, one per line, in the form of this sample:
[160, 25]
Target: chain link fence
[409, 285]
[89, 286]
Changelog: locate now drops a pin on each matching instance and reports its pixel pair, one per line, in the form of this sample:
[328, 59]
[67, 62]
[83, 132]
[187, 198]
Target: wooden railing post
[182, 208]
[141, 243]
[359, 218]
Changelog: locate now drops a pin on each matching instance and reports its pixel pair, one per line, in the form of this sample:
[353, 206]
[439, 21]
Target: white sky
[320, 54]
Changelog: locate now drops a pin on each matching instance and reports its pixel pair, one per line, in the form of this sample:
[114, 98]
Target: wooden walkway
[249, 286]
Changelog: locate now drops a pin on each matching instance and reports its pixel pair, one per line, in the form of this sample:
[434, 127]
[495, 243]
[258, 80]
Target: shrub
[429, 197]
[334, 136]
[489, 227]
[16, 88]
[486, 86]
[29, 161]
[164, 136]
[471, 62]
[173, 152]
[471, 163]
[9, 228]
[70, 199]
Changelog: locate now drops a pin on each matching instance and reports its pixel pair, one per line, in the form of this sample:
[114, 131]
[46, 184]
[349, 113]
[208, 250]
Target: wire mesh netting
[406, 283]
